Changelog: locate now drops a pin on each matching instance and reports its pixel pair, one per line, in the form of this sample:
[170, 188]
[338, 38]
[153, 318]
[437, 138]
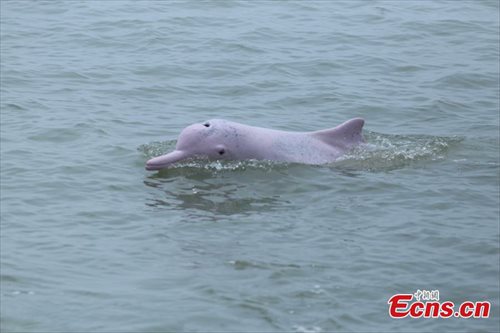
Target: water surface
[90, 241]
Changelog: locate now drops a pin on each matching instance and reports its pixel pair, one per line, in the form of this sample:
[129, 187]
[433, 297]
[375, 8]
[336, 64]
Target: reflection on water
[206, 193]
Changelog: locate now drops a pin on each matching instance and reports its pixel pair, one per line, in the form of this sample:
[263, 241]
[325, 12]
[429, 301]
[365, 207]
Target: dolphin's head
[207, 139]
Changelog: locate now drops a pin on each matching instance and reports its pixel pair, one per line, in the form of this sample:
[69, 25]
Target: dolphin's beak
[163, 161]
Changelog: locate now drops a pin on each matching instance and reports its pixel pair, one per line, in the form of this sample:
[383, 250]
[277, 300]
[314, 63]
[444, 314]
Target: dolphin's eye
[207, 124]
[221, 152]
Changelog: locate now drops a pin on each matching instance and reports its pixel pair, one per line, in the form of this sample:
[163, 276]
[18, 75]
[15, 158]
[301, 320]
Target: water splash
[382, 152]
[385, 152]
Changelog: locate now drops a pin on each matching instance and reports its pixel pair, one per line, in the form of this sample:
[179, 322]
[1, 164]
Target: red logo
[427, 305]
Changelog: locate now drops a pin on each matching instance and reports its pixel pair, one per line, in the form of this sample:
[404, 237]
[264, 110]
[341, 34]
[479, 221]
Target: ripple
[56, 135]
[467, 81]
[13, 106]
[307, 329]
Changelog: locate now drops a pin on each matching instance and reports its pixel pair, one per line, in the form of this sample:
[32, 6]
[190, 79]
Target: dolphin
[224, 139]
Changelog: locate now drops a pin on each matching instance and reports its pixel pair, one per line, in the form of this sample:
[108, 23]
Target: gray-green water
[90, 90]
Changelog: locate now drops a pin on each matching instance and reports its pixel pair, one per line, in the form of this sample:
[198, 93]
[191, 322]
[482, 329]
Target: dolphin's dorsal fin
[347, 134]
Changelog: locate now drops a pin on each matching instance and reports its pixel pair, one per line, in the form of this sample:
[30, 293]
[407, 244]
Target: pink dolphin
[223, 139]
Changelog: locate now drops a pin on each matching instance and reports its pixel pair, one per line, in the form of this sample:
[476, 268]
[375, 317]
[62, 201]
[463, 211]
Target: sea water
[91, 241]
